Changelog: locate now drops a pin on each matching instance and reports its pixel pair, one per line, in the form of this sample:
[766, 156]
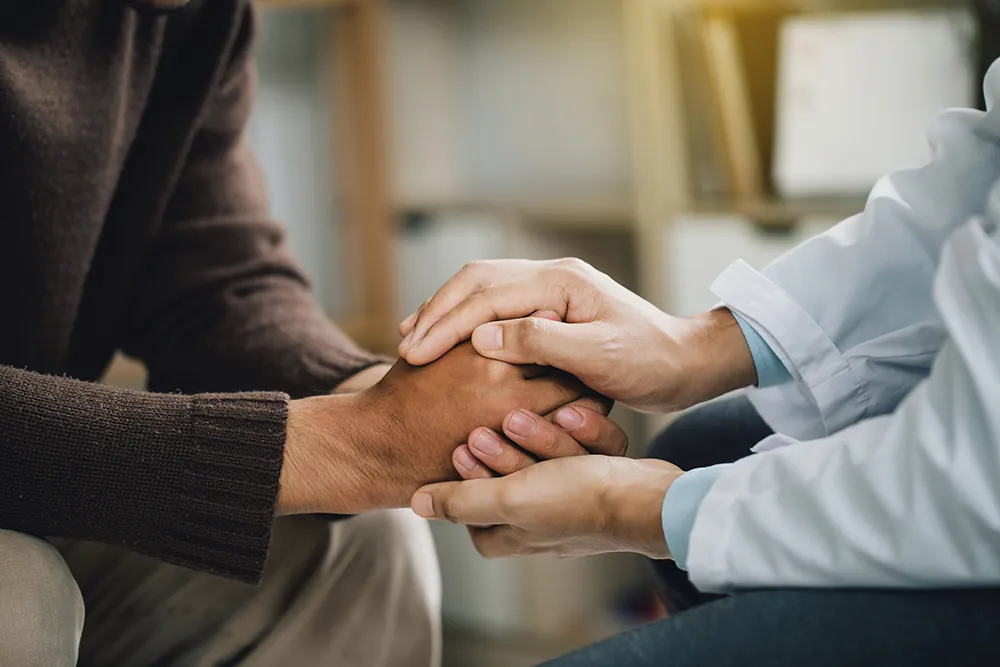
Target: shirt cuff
[770, 371]
[680, 507]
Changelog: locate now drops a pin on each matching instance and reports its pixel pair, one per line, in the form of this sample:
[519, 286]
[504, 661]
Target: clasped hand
[567, 315]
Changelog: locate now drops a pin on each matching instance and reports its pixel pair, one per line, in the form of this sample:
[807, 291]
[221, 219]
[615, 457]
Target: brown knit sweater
[133, 217]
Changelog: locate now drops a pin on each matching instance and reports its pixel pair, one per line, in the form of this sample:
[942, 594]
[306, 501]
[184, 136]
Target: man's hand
[573, 506]
[573, 430]
[614, 341]
[373, 449]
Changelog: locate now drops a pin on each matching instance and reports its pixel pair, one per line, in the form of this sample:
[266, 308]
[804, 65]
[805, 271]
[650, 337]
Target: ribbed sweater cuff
[228, 487]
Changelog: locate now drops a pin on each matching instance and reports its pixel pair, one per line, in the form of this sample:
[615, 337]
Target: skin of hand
[613, 340]
[372, 449]
[575, 506]
[574, 430]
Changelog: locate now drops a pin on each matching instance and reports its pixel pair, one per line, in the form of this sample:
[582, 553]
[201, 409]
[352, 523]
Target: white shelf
[599, 214]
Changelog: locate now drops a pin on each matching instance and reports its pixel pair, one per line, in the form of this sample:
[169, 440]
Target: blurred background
[657, 139]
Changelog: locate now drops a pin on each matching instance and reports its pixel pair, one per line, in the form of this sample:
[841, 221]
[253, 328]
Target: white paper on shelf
[857, 92]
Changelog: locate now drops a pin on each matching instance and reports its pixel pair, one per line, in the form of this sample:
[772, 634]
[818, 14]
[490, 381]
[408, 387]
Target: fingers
[584, 429]
[494, 453]
[595, 402]
[472, 277]
[475, 502]
[538, 436]
[536, 341]
[577, 431]
[439, 329]
[467, 465]
[550, 315]
[590, 430]
[406, 326]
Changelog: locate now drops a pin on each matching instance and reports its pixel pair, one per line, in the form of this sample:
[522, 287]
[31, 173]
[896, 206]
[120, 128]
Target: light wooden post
[360, 130]
[659, 147]
[362, 161]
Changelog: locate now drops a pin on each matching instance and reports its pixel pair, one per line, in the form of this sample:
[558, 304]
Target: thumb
[538, 341]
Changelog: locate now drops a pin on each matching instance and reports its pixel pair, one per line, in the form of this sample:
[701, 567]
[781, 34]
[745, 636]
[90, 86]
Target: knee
[398, 544]
[41, 608]
[721, 431]
[683, 442]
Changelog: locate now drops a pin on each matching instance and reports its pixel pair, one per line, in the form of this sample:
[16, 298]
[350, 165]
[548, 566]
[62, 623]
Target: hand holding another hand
[526, 438]
[574, 506]
[372, 449]
[613, 340]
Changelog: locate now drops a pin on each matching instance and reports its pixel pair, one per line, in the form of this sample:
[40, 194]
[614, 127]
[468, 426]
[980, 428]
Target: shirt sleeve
[850, 311]
[680, 507]
[905, 500]
[770, 369]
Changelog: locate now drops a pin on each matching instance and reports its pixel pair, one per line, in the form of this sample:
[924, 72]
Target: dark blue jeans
[786, 628]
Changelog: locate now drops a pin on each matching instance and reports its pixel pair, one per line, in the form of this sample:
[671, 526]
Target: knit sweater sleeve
[222, 306]
[187, 479]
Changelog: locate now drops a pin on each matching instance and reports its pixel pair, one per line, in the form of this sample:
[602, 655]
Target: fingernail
[423, 505]
[488, 338]
[569, 419]
[521, 423]
[464, 458]
[487, 443]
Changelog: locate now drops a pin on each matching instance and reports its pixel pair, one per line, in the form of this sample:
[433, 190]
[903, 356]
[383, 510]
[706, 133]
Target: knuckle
[497, 372]
[516, 463]
[476, 267]
[483, 292]
[526, 332]
[574, 264]
[450, 511]
[545, 442]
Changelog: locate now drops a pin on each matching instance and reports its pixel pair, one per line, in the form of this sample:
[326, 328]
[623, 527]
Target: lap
[786, 628]
[332, 593]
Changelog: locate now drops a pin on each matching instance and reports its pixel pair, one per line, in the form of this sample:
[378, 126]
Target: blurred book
[732, 106]
[857, 92]
[705, 148]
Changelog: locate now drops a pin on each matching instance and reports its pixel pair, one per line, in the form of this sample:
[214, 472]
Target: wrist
[635, 506]
[714, 357]
[325, 447]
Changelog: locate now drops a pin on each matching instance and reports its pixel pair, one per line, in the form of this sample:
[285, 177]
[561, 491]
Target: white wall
[290, 132]
[514, 98]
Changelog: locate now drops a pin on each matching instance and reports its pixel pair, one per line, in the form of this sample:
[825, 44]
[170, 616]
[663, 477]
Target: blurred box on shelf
[857, 92]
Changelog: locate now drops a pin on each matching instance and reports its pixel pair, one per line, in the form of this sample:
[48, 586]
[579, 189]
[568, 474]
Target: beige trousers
[358, 593]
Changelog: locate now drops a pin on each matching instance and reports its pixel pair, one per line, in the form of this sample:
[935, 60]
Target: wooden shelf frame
[360, 129]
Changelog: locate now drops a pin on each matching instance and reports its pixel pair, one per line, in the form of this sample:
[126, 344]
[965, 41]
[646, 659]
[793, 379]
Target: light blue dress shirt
[680, 505]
